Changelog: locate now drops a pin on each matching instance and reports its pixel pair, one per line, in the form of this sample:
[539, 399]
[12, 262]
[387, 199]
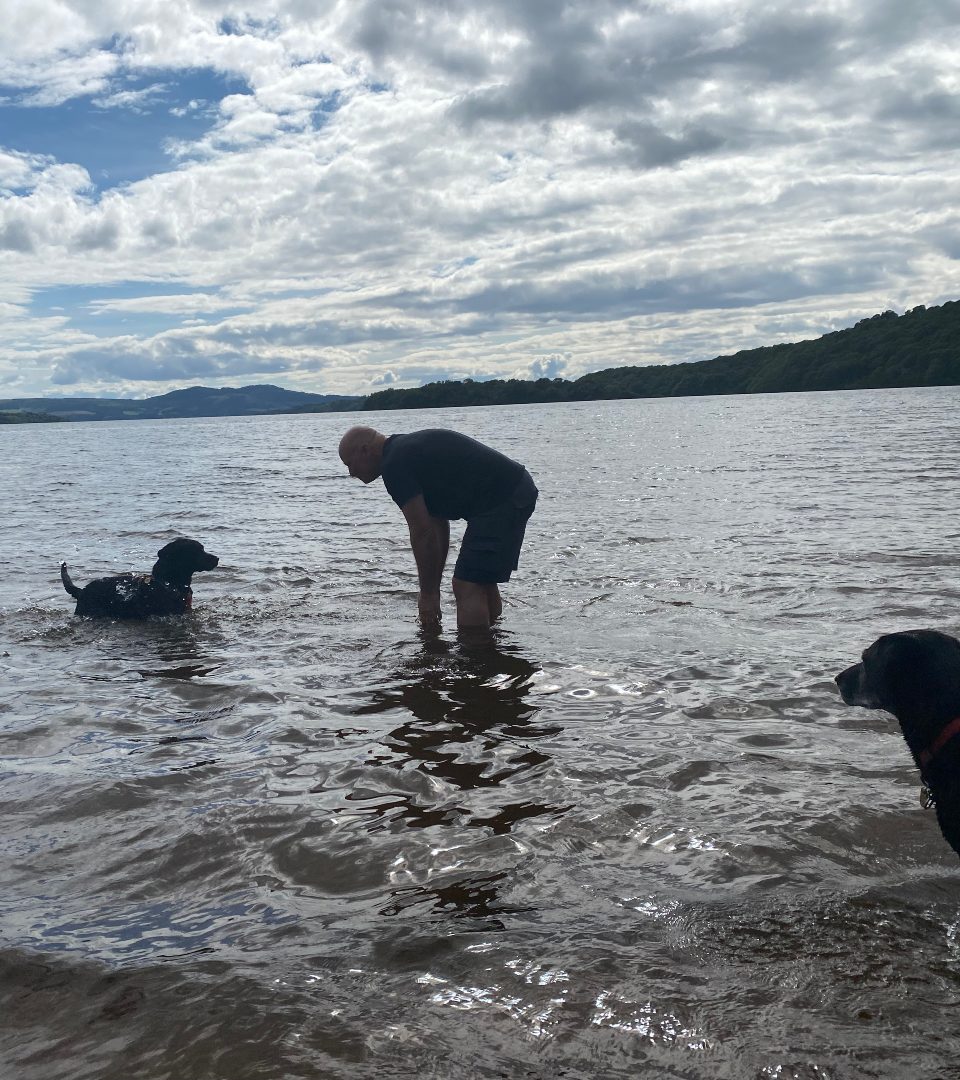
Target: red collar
[926, 756]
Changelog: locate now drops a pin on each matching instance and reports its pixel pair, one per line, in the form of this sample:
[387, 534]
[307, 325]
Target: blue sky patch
[325, 108]
[76, 303]
[118, 144]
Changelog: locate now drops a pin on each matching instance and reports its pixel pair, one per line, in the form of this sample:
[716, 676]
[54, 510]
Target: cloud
[388, 192]
[59, 78]
[15, 236]
[545, 367]
[183, 304]
[19, 171]
[650, 147]
[175, 357]
[136, 100]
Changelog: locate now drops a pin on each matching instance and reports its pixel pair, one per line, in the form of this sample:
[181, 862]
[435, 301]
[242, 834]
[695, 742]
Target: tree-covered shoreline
[21, 417]
[919, 348]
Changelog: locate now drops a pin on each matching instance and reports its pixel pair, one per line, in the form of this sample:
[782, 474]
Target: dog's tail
[67, 583]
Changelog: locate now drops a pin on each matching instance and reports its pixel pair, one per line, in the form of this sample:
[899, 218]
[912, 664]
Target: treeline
[15, 417]
[919, 348]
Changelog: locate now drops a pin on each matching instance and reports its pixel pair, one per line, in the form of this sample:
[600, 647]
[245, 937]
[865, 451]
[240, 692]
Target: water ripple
[635, 833]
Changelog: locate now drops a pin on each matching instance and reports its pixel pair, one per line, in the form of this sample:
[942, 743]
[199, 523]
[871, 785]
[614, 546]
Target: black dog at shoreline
[164, 591]
[916, 676]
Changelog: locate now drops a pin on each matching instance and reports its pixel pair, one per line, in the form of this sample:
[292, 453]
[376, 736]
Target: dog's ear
[916, 674]
[179, 548]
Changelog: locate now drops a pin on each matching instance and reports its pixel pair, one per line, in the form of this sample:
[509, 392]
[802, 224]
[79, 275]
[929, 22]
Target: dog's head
[179, 560]
[915, 675]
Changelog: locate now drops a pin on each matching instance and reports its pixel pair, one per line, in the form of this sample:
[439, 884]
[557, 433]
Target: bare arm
[429, 540]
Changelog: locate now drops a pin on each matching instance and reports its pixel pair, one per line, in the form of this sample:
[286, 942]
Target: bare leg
[473, 604]
[494, 603]
[443, 538]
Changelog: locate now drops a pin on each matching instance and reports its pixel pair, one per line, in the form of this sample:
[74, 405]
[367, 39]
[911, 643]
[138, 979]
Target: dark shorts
[490, 551]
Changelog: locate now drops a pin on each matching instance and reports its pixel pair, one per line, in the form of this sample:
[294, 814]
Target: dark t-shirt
[457, 476]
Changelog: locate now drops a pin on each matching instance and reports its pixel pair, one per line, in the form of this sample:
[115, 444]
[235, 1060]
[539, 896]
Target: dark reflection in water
[471, 724]
[184, 671]
[476, 898]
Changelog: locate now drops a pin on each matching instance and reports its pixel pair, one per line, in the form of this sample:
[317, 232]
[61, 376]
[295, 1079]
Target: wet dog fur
[915, 675]
[165, 591]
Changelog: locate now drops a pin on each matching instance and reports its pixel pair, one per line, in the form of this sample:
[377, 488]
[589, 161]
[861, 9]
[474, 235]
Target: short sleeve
[399, 476]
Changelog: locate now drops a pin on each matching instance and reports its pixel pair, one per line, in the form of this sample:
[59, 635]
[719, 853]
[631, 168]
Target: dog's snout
[849, 682]
[845, 676]
[852, 684]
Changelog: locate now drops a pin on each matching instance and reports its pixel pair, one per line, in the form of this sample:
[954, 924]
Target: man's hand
[429, 539]
[428, 608]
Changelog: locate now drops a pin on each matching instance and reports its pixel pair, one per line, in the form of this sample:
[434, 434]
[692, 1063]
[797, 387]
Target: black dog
[165, 591]
[916, 676]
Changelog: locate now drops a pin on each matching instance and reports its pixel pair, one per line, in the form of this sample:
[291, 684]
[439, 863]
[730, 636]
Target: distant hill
[194, 401]
[920, 348]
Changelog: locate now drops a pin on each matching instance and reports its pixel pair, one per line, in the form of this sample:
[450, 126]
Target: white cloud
[58, 78]
[544, 367]
[183, 304]
[38, 31]
[135, 100]
[479, 188]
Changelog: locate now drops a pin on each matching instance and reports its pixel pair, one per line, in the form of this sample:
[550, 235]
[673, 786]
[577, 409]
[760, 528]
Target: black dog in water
[165, 591]
[916, 676]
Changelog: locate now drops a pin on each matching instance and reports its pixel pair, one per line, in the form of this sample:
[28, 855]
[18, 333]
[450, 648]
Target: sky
[343, 195]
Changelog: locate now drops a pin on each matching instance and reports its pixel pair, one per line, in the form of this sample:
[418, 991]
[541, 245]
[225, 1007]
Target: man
[435, 476]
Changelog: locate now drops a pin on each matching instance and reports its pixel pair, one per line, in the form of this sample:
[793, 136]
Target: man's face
[361, 463]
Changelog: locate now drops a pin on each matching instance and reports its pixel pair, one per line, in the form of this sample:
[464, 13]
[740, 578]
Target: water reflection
[474, 897]
[469, 722]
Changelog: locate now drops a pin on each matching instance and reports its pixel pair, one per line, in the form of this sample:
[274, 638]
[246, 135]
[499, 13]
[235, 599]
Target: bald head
[361, 450]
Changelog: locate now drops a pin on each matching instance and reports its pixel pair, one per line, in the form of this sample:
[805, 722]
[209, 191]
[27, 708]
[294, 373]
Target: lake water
[637, 834]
